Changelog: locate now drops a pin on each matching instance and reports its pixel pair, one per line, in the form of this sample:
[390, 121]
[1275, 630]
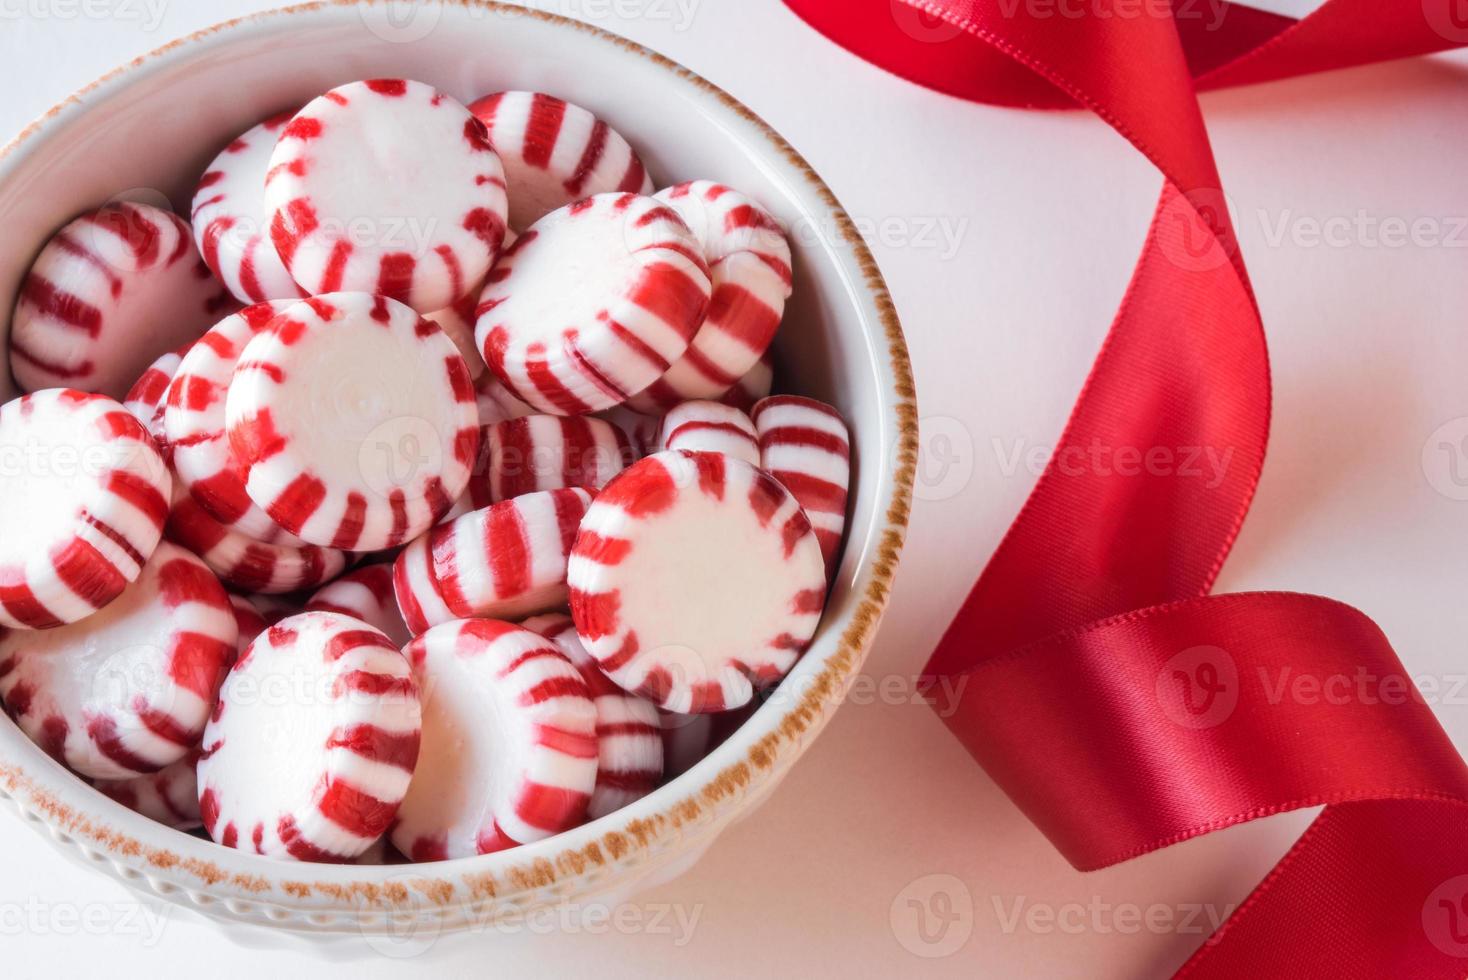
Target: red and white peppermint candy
[313, 742]
[112, 291]
[365, 594]
[507, 561]
[754, 386]
[249, 619]
[509, 742]
[148, 396]
[387, 186]
[355, 421]
[194, 423]
[627, 727]
[128, 691]
[593, 303]
[804, 444]
[695, 580]
[496, 402]
[229, 218]
[457, 322]
[169, 796]
[86, 494]
[749, 260]
[270, 567]
[703, 426]
[556, 153]
[548, 452]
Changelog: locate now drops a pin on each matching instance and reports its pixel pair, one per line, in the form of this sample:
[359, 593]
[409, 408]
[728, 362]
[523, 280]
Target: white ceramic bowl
[155, 123]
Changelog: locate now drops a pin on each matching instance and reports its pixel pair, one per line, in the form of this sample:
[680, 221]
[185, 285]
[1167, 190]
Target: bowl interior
[152, 132]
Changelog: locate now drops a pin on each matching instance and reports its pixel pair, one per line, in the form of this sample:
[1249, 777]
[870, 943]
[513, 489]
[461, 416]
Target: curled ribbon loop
[1117, 702]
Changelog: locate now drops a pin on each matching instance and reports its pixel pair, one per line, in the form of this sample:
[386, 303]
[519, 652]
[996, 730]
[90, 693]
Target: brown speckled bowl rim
[616, 848]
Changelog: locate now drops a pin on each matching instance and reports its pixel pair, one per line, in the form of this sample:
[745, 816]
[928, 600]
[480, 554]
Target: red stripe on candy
[508, 548]
[370, 742]
[355, 811]
[550, 808]
[103, 731]
[295, 505]
[298, 846]
[592, 155]
[543, 130]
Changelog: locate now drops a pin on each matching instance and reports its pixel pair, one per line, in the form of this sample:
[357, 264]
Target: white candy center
[367, 409]
[392, 171]
[467, 765]
[277, 719]
[51, 465]
[704, 584]
[244, 183]
[567, 276]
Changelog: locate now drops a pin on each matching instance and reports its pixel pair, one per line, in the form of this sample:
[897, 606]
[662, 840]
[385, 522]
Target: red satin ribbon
[1120, 705]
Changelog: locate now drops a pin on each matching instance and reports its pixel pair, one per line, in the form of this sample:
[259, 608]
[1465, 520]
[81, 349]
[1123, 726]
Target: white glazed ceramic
[151, 127]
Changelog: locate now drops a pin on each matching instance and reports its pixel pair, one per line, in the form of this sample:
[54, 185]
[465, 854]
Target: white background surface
[1007, 239]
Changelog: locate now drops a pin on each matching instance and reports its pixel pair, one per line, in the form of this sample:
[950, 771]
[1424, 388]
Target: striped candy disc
[386, 186]
[556, 153]
[365, 594]
[313, 742]
[548, 452]
[509, 742]
[703, 426]
[169, 796]
[86, 495]
[749, 260]
[628, 728]
[194, 424]
[229, 220]
[506, 561]
[112, 291]
[127, 691]
[804, 444]
[355, 421]
[270, 567]
[695, 580]
[148, 397]
[593, 303]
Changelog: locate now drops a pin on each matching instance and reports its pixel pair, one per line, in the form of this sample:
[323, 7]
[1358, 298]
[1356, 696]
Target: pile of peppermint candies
[422, 497]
